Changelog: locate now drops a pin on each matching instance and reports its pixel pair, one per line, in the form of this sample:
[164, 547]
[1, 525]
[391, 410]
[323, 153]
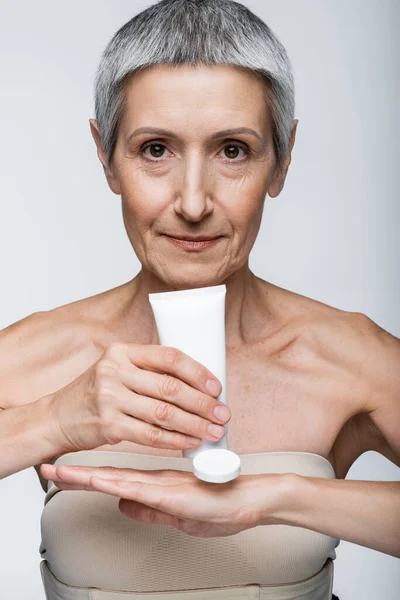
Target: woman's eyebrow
[171, 134]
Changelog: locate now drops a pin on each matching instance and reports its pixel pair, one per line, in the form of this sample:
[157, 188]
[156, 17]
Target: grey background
[331, 235]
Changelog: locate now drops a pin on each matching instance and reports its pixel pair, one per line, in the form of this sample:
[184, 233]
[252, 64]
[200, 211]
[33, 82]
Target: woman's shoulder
[321, 334]
[46, 349]
[347, 339]
[68, 325]
[313, 316]
[350, 350]
[35, 336]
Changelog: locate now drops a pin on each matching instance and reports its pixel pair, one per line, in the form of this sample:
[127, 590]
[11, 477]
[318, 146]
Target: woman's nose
[193, 206]
[193, 201]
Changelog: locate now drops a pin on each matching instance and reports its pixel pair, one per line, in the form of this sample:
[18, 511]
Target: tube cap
[216, 465]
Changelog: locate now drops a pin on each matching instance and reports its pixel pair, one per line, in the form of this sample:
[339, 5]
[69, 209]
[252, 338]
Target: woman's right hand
[149, 394]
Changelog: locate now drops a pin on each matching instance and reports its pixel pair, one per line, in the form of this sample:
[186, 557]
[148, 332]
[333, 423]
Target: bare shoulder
[337, 334]
[353, 361]
[363, 358]
[33, 356]
[354, 342]
[346, 346]
[46, 350]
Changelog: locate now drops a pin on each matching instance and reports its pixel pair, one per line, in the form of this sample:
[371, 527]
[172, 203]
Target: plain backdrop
[331, 235]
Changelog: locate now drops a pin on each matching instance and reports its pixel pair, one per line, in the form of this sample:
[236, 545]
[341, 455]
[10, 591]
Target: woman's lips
[191, 245]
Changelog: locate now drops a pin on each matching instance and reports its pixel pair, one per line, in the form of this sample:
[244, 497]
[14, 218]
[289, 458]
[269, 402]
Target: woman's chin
[189, 277]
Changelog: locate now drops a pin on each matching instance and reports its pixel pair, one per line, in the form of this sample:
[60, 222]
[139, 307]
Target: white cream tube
[193, 321]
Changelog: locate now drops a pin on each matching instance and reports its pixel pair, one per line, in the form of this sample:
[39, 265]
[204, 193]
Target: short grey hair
[195, 32]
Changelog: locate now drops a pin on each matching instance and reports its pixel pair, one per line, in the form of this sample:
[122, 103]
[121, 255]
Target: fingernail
[194, 441]
[222, 413]
[212, 387]
[216, 430]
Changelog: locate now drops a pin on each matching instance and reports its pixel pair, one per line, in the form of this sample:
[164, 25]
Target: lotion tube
[193, 321]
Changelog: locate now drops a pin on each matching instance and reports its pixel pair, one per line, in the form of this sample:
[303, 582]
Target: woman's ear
[278, 179]
[110, 176]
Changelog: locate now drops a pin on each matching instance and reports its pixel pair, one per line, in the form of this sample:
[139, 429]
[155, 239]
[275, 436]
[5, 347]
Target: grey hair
[195, 32]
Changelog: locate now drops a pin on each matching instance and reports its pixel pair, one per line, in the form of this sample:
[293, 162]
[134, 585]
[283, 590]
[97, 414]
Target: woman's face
[196, 178]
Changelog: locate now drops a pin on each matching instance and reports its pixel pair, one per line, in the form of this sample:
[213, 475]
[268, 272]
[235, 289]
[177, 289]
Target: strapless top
[91, 551]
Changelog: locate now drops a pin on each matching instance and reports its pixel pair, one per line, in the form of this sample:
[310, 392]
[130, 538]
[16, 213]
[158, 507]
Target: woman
[194, 126]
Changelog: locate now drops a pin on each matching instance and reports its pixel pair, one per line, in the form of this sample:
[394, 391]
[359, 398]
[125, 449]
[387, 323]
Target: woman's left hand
[178, 498]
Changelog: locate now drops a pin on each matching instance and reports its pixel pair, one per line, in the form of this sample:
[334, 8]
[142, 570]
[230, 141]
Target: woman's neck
[249, 307]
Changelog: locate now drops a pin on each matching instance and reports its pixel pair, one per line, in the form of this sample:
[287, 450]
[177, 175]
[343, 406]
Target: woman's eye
[232, 151]
[156, 151]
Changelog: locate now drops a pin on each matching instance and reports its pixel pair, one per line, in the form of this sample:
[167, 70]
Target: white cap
[216, 465]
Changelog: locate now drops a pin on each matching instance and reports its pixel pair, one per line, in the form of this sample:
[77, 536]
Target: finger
[172, 389]
[146, 514]
[53, 472]
[163, 409]
[155, 496]
[175, 501]
[147, 434]
[77, 475]
[66, 486]
[56, 475]
[80, 476]
[50, 473]
[174, 362]
[47, 470]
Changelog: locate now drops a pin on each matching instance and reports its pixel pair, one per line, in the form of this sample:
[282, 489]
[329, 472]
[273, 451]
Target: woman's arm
[27, 437]
[363, 512]
[30, 352]
[127, 393]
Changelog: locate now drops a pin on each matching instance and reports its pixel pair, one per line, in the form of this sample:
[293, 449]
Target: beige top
[91, 551]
